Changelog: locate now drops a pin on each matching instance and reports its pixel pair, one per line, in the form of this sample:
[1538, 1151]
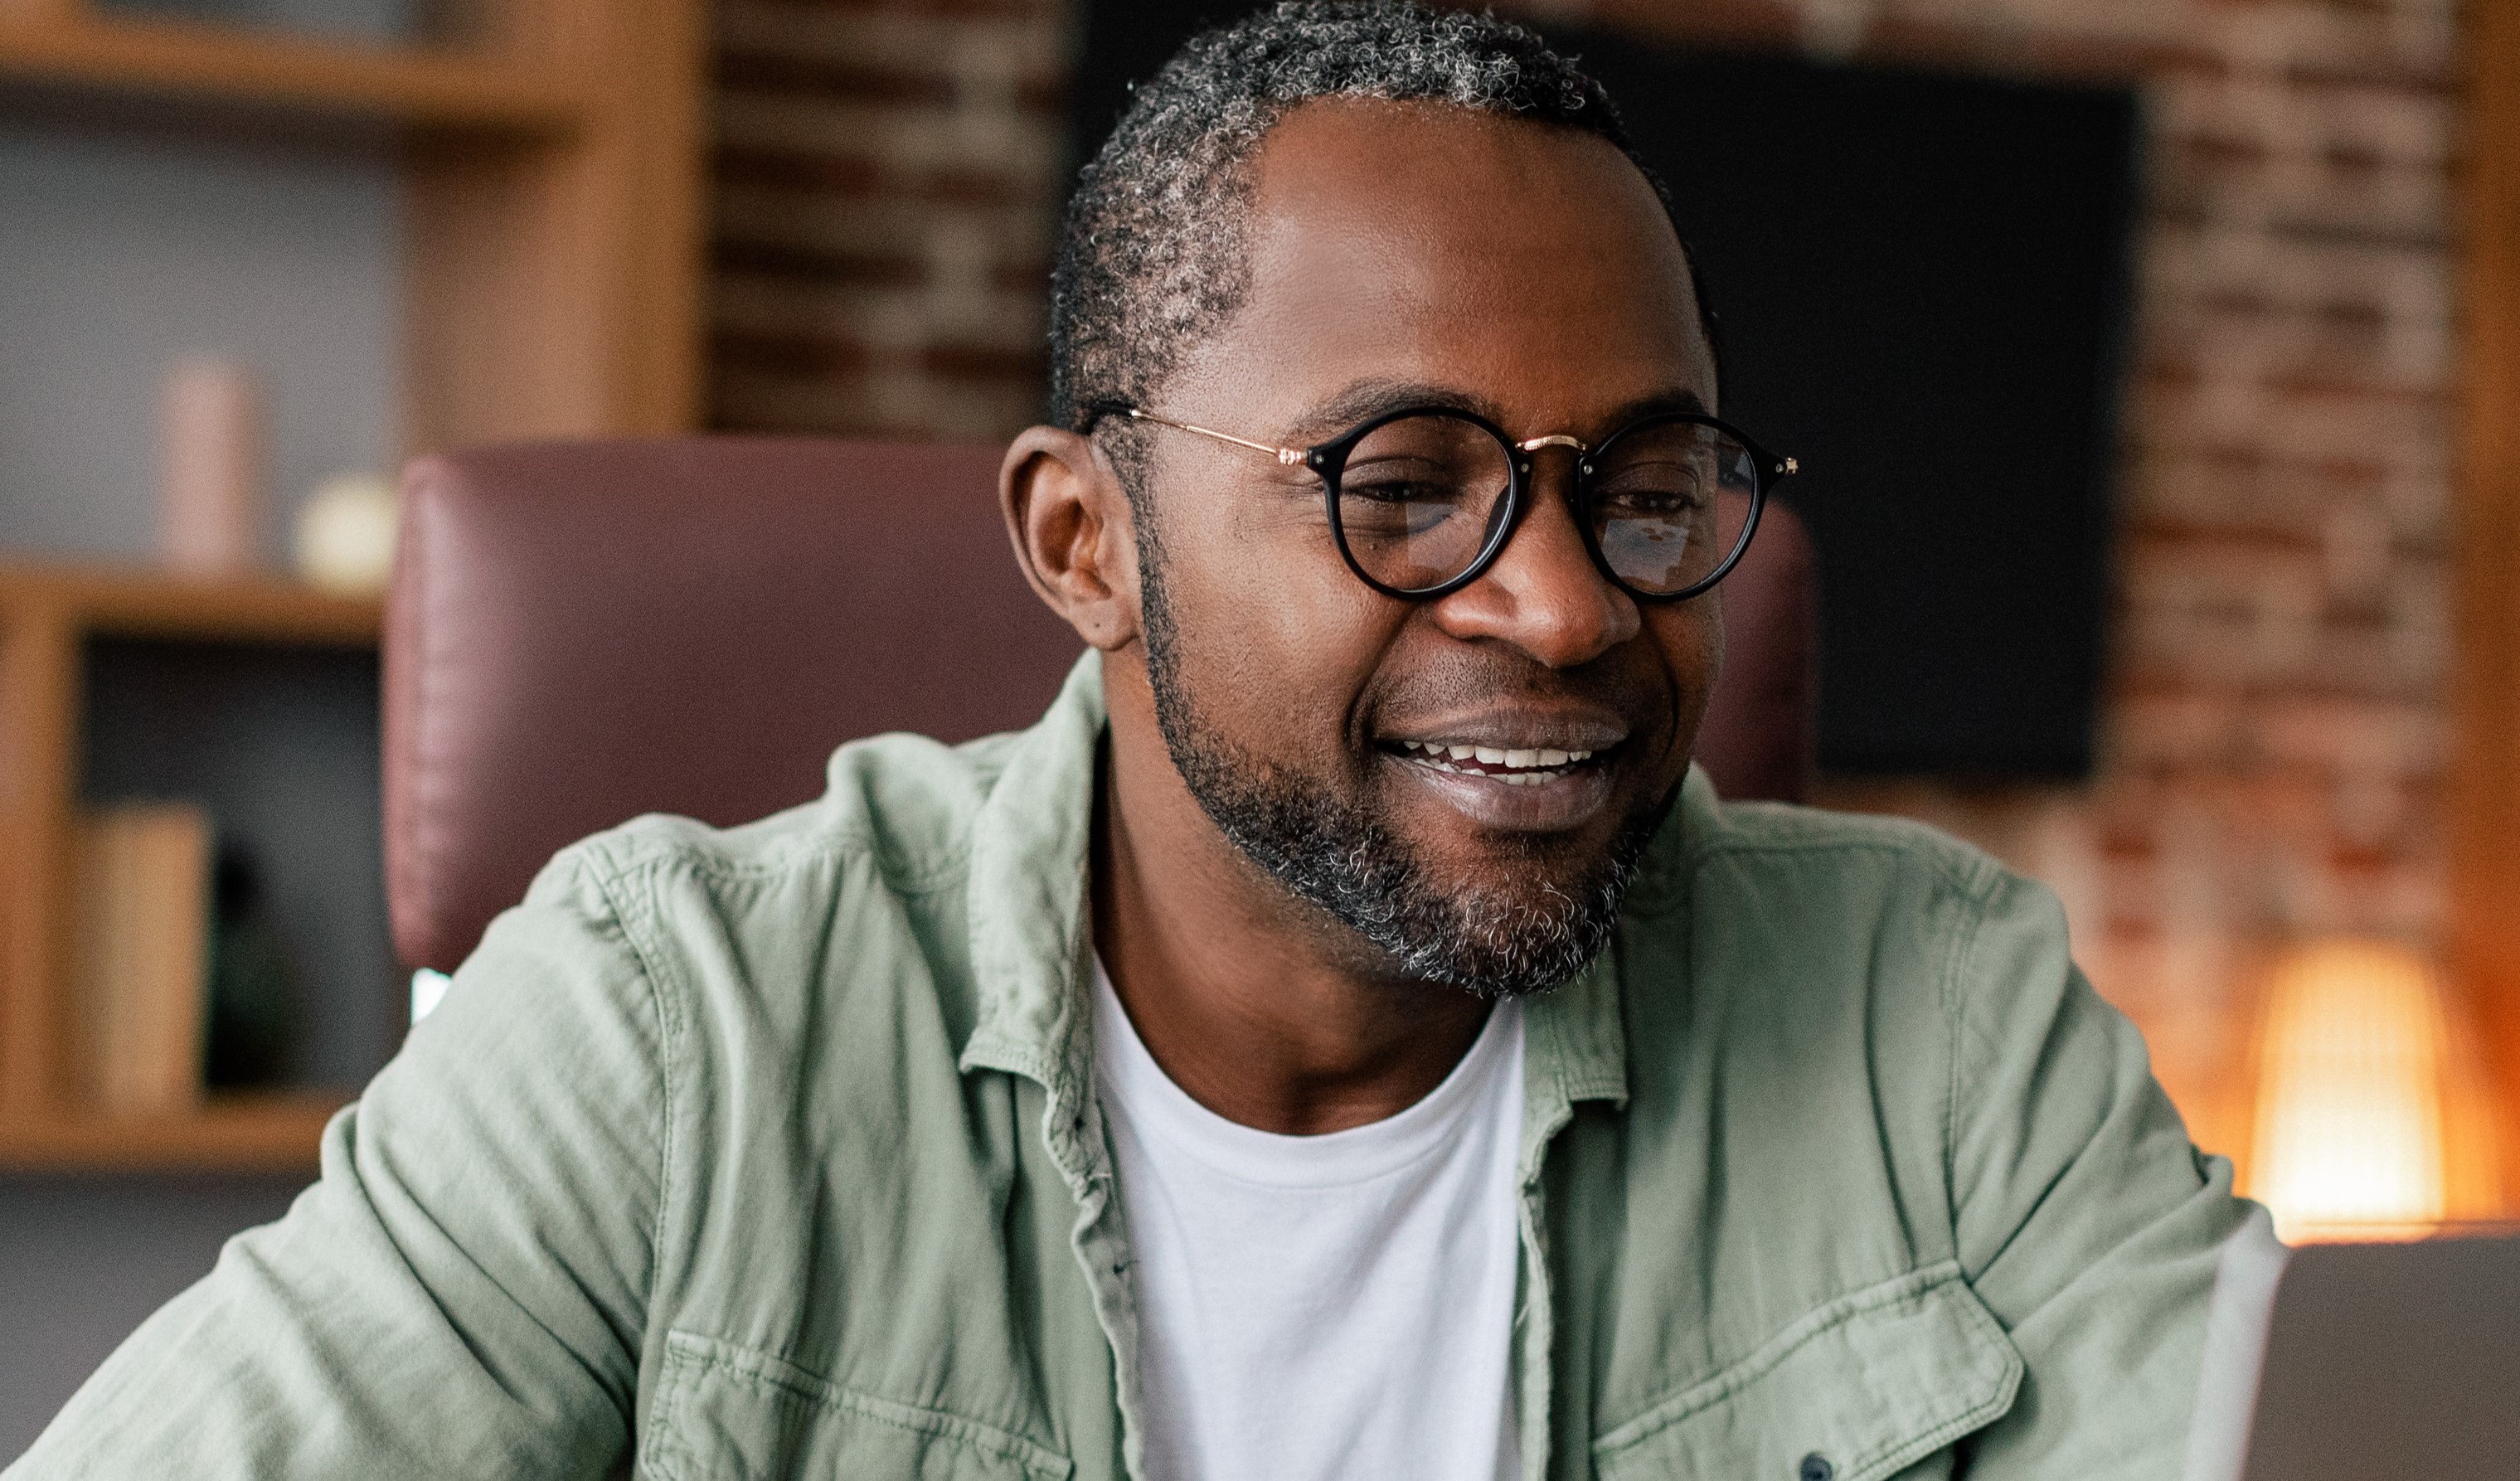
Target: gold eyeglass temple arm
[1289, 456]
[1293, 455]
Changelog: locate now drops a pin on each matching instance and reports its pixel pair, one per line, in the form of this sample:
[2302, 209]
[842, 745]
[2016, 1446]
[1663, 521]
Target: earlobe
[1069, 521]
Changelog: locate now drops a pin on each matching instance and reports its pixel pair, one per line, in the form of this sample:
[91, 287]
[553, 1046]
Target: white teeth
[1529, 766]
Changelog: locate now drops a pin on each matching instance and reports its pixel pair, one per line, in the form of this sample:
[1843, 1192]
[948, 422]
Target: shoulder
[896, 813]
[1829, 872]
[1871, 914]
[1832, 847]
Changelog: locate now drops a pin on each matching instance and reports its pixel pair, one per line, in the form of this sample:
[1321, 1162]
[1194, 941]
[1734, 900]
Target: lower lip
[1565, 801]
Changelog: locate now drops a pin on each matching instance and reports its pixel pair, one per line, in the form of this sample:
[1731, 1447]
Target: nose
[1544, 595]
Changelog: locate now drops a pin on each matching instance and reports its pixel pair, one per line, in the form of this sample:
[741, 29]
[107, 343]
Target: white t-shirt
[1319, 1307]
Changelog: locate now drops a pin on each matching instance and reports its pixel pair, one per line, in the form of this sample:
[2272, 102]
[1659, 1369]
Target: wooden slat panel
[650, 141]
[57, 12]
[40, 698]
[2486, 849]
[554, 293]
[502, 327]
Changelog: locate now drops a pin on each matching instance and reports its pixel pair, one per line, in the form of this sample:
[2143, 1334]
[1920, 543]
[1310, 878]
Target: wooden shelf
[47, 611]
[551, 228]
[257, 1133]
[434, 91]
[140, 602]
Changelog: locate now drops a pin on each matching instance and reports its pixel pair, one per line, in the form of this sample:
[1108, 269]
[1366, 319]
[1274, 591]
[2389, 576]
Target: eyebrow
[1363, 400]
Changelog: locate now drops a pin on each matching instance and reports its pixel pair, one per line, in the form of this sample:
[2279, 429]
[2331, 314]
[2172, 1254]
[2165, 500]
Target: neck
[1257, 1004]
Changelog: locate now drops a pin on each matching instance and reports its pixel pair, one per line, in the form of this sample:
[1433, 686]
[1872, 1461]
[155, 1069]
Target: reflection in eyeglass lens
[1657, 506]
[1419, 497]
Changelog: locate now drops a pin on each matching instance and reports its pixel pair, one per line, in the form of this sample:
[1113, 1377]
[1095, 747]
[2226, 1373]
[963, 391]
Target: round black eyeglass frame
[1328, 459]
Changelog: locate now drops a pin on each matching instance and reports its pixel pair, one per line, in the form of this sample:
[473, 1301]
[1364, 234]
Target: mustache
[1475, 677]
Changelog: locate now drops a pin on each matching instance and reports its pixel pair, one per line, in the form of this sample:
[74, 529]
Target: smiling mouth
[1513, 767]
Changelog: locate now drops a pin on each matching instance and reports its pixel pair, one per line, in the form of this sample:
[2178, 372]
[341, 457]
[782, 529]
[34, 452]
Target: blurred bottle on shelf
[253, 984]
[213, 460]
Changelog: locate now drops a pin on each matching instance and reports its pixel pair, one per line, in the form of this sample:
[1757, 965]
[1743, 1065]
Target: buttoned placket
[1074, 1135]
[1575, 1049]
[1100, 1238]
[1032, 951]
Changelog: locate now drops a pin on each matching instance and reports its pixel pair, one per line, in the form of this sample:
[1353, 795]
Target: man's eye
[1400, 479]
[1660, 502]
[1399, 491]
[1659, 488]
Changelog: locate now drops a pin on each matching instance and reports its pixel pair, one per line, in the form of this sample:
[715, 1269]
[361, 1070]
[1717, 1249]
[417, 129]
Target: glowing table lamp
[2350, 1124]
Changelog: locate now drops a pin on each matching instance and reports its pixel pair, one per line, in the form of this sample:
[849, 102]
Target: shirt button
[1815, 1468]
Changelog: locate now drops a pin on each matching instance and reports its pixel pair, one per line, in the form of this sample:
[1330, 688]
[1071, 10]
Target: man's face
[1405, 254]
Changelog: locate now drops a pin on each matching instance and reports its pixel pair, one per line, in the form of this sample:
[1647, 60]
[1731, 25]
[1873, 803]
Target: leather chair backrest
[582, 632]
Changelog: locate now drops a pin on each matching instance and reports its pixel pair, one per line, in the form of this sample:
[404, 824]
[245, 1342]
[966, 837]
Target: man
[1343, 1037]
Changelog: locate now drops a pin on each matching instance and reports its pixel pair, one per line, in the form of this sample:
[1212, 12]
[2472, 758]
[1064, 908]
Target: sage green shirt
[774, 1151]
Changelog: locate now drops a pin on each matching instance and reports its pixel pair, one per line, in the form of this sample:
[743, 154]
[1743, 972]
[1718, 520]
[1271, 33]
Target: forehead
[1527, 267]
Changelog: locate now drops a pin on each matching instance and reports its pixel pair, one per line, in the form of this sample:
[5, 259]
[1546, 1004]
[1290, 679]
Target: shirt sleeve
[463, 1292]
[2085, 1220]
[2245, 1277]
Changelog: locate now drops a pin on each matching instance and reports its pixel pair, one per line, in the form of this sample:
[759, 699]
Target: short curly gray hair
[1153, 255]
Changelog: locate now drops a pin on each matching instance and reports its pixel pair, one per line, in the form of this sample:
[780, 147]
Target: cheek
[1690, 641]
[1281, 637]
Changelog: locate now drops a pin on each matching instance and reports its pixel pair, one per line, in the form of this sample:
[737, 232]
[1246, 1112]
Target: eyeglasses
[1422, 500]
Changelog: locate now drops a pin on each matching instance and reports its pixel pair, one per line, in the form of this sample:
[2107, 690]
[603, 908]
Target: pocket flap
[726, 1411]
[1872, 1384]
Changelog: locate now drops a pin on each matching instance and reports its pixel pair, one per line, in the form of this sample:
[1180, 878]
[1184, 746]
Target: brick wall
[886, 173]
[2275, 736]
[2274, 751]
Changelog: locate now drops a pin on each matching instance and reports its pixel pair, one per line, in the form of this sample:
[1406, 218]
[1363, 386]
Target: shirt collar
[1578, 1044]
[1030, 920]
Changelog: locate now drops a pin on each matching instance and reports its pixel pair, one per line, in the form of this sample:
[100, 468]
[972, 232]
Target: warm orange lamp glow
[2350, 1127]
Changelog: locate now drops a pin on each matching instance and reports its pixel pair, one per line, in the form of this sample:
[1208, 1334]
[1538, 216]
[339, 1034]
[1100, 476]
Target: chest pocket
[725, 1411]
[1868, 1384]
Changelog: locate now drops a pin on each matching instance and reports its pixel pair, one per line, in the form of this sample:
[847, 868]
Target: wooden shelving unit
[552, 161]
[47, 615]
[551, 158]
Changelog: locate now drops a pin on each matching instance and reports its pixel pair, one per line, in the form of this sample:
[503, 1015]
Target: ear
[1071, 522]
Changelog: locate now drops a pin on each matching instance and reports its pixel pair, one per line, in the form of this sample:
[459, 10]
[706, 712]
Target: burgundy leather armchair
[582, 632]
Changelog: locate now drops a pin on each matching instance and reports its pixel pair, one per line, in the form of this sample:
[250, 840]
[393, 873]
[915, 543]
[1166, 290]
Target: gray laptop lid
[2390, 1360]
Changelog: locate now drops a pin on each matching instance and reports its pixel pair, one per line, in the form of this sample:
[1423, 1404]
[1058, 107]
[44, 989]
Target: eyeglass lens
[1421, 499]
[1668, 502]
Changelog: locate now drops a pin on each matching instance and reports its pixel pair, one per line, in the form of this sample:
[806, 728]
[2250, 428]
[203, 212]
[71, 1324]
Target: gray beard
[1523, 933]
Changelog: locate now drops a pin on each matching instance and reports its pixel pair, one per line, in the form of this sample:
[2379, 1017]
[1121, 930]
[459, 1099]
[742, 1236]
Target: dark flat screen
[2392, 1360]
[1923, 281]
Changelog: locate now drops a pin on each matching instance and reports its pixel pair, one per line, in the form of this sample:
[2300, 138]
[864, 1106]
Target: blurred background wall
[2274, 729]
